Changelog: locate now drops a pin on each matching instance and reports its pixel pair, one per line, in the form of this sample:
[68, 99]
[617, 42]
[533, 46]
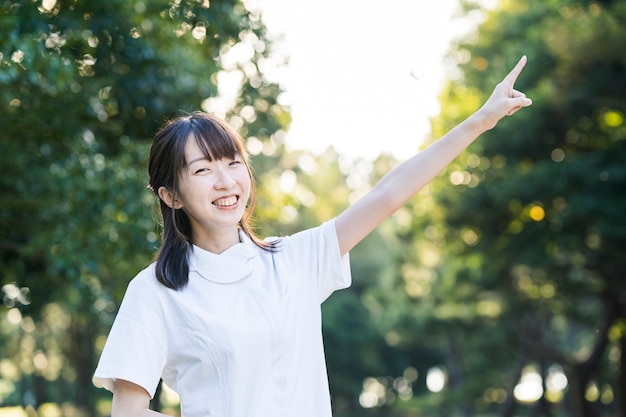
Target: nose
[224, 180]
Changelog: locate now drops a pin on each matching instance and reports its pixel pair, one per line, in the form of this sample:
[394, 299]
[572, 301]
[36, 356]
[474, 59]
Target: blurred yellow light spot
[557, 155]
[416, 290]
[470, 237]
[607, 396]
[17, 56]
[392, 338]
[13, 412]
[410, 374]
[548, 291]
[404, 388]
[28, 325]
[554, 396]
[498, 161]
[494, 395]
[593, 241]
[40, 361]
[14, 316]
[613, 118]
[592, 394]
[373, 393]
[429, 257]
[537, 213]
[617, 331]
[515, 227]
[50, 410]
[8, 369]
[473, 161]
[456, 178]
[199, 32]
[489, 308]
[481, 63]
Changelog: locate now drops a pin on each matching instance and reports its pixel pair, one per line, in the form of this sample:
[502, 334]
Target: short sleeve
[315, 254]
[136, 348]
[334, 269]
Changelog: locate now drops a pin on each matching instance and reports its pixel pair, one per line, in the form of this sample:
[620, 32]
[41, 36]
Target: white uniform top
[242, 339]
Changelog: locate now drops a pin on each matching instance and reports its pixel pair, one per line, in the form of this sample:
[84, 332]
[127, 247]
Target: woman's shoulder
[145, 279]
[304, 240]
[324, 229]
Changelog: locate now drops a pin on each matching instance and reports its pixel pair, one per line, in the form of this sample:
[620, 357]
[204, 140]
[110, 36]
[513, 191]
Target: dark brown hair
[166, 163]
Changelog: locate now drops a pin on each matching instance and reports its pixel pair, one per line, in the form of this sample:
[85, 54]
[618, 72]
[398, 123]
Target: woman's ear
[168, 198]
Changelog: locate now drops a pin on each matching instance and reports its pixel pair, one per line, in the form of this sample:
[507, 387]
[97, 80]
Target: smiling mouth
[226, 201]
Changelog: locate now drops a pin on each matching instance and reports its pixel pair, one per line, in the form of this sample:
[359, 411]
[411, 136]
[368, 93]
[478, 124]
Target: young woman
[228, 320]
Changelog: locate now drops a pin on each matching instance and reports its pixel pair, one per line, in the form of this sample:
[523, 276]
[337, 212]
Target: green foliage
[512, 257]
[531, 213]
[83, 87]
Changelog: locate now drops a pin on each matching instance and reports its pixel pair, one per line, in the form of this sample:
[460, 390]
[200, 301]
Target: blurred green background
[500, 290]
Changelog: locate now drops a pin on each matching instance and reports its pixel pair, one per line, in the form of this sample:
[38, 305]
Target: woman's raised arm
[401, 183]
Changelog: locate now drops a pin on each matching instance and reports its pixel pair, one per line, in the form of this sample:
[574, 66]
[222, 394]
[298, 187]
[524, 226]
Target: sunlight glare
[239, 54]
[199, 31]
[288, 181]
[373, 393]
[375, 89]
[14, 316]
[537, 213]
[48, 5]
[436, 379]
[556, 383]
[529, 389]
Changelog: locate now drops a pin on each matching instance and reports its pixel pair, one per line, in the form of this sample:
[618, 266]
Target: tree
[533, 215]
[84, 85]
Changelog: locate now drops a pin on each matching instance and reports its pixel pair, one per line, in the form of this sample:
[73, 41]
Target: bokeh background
[499, 290]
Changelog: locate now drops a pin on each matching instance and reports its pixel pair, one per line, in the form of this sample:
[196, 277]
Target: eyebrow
[202, 158]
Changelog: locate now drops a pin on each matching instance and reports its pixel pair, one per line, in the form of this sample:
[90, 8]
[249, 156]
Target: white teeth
[225, 202]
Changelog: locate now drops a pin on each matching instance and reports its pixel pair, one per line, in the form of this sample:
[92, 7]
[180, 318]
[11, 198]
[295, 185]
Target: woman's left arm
[404, 181]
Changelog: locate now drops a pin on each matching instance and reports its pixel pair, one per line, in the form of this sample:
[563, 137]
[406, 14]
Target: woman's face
[213, 194]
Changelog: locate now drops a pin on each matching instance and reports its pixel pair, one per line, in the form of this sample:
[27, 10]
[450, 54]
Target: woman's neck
[216, 241]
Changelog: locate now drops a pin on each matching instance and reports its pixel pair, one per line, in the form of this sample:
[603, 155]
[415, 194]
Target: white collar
[234, 264]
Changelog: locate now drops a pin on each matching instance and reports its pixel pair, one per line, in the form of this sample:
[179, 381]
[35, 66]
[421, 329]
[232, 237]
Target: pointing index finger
[510, 79]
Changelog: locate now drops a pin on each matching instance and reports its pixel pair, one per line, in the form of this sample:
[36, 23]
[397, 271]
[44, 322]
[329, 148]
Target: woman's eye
[235, 162]
[202, 170]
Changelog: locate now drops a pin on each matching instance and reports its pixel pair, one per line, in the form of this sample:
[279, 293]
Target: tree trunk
[80, 353]
[508, 408]
[582, 373]
[620, 384]
[455, 375]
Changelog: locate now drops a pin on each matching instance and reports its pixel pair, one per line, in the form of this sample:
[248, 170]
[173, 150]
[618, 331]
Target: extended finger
[510, 79]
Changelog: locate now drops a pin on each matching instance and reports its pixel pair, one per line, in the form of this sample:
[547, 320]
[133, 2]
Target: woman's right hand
[504, 100]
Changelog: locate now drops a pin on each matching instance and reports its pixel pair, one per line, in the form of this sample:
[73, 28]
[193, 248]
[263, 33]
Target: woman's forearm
[404, 181]
[397, 187]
